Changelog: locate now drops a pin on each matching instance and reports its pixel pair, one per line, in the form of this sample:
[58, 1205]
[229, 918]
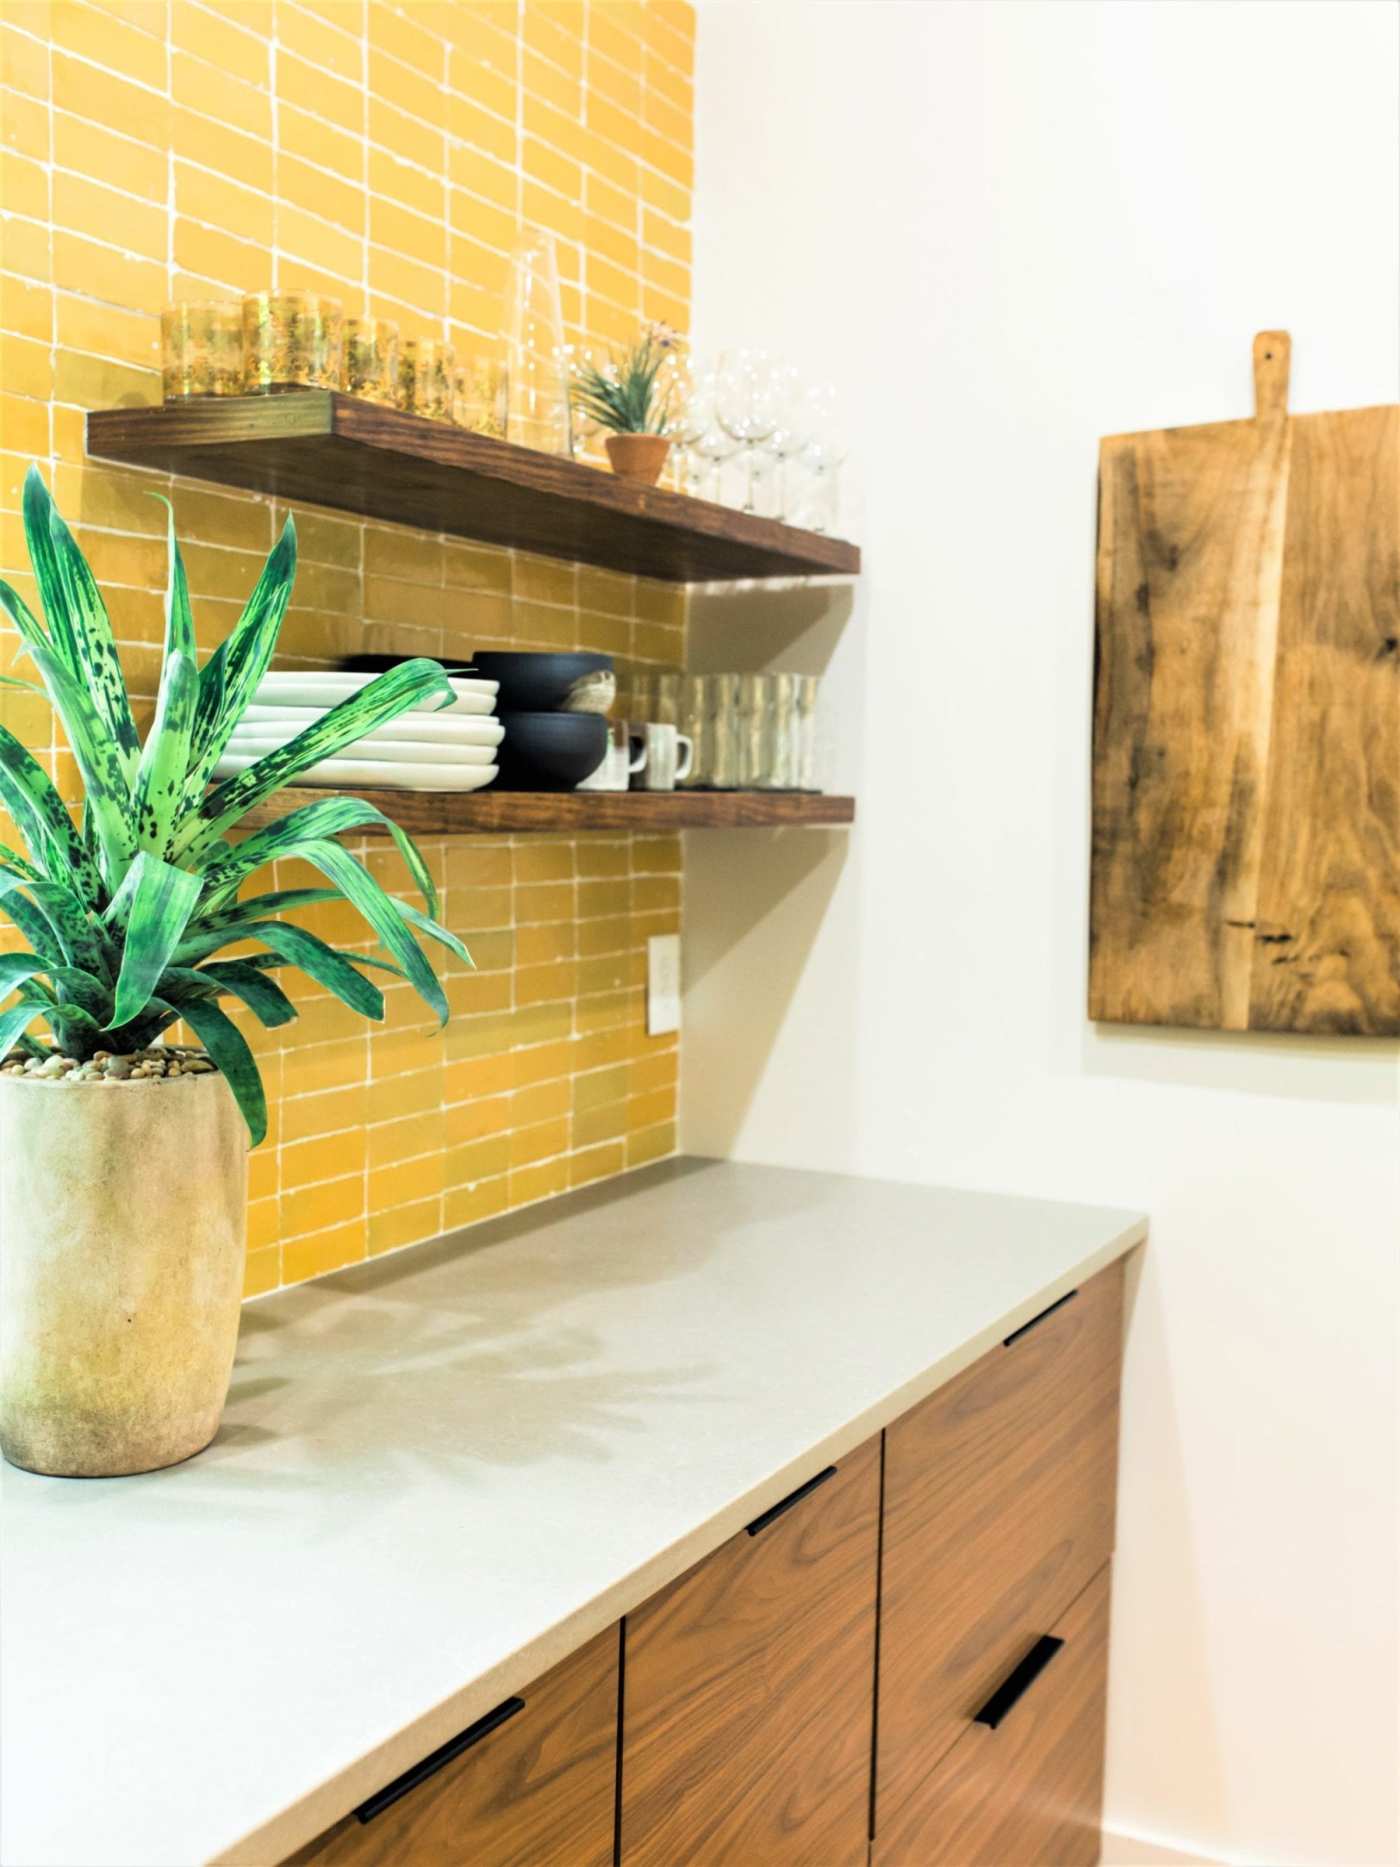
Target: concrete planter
[123, 1209]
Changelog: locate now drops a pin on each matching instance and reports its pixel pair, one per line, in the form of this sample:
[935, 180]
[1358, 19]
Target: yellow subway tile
[404, 1225]
[659, 1071]
[664, 194]
[24, 60]
[542, 1141]
[315, 90]
[24, 429]
[26, 310]
[542, 1181]
[89, 382]
[106, 331]
[216, 146]
[651, 1144]
[318, 243]
[108, 41]
[328, 1157]
[554, 29]
[400, 231]
[330, 1111]
[480, 130]
[315, 1208]
[211, 92]
[396, 33]
[485, 74]
[614, 83]
[348, 15]
[329, 1250]
[470, 1161]
[24, 124]
[82, 206]
[669, 81]
[262, 1271]
[24, 187]
[27, 248]
[467, 1205]
[664, 236]
[401, 1183]
[543, 163]
[597, 1163]
[540, 1102]
[238, 265]
[422, 288]
[242, 212]
[408, 186]
[668, 120]
[244, 54]
[541, 1063]
[405, 135]
[316, 38]
[303, 135]
[405, 1095]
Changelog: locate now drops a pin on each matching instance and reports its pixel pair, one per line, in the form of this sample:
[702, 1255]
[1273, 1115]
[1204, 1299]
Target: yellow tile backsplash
[165, 149]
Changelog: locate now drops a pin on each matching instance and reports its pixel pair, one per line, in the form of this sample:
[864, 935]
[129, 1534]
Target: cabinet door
[999, 1505]
[748, 1688]
[1026, 1790]
[534, 1787]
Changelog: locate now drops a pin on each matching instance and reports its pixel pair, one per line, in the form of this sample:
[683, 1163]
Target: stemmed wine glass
[686, 415]
[821, 457]
[746, 404]
[789, 436]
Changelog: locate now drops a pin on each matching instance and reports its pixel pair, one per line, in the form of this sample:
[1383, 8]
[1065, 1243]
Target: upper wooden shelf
[327, 449]
[566, 813]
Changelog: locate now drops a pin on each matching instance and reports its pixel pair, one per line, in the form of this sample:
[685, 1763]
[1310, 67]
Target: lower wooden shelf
[445, 813]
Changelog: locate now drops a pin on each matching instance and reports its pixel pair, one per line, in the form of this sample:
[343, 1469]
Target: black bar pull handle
[786, 1503]
[431, 1764]
[1036, 1321]
[1018, 1683]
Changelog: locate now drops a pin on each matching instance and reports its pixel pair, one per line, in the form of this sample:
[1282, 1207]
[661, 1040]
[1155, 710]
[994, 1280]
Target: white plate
[324, 690]
[375, 775]
[390, 751]
[450, 727]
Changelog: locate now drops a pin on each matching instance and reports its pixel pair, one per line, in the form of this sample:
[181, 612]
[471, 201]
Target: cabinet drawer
[1028, 1793]
[747, 1692]
[999, 1506]
[535, 1790]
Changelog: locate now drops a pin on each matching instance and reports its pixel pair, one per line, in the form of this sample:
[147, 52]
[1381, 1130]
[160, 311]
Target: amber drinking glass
[291, 340]
[202, 349]
[479, 396]
[370, 366]
[427, 366]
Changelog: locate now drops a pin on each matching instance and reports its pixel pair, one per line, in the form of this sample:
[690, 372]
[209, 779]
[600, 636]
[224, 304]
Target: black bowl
[549, 751]
[536, 683]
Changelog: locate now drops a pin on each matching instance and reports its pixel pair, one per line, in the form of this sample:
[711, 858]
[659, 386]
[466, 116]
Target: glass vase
[537, 361]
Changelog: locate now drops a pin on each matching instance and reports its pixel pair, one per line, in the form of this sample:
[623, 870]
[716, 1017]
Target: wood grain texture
[1030, 1793]
[748, 1693]
[537, 1792]
[320, 448]
[433, 813]
[1246, 845]
[1000, 1492]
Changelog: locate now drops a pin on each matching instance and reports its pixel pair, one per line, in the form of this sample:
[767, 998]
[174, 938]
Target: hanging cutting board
[1246, 850]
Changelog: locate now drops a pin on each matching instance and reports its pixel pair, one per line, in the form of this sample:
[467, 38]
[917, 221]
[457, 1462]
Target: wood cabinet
[999, 1507]
[902, 1664]
[533, 1787]
[749, 1689]
[1028, 1791]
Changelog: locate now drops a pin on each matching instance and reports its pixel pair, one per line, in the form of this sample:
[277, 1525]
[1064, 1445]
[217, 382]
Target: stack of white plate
[429, 748]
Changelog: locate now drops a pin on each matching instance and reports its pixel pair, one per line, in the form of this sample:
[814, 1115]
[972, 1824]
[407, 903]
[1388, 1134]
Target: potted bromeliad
[122, 1158]
[632, 400]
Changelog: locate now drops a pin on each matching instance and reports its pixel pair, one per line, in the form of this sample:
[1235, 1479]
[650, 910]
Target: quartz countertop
[441, 1472]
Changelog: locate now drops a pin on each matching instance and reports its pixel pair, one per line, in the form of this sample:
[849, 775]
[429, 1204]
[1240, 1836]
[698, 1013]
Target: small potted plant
[123, 1160]
[629, 399]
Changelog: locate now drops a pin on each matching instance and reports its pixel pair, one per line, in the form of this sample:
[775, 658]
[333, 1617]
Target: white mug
[619, 761]
[669, 757]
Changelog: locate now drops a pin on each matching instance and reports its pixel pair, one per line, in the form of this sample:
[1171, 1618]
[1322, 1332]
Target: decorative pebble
[161, 1062]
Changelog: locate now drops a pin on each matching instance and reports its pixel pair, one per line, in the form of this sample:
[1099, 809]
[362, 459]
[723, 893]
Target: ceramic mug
[669, 757]
[626, 753]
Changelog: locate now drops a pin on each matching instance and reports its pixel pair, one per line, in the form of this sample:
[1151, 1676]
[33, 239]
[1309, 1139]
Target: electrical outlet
[663, 984]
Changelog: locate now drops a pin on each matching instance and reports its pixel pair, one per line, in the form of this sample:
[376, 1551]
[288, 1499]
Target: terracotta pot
[638, 457]
[123, 1211]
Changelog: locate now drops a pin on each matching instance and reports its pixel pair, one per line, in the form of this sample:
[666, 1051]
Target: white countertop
[441, 1472]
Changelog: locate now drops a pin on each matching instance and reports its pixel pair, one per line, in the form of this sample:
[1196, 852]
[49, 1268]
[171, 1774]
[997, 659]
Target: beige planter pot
[123, 1209]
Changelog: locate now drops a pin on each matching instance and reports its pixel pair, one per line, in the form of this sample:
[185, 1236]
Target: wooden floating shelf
[325, 449]
[446, 813]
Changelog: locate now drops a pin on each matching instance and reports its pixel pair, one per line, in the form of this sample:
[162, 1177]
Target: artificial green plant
[124, 913]
[625, 394]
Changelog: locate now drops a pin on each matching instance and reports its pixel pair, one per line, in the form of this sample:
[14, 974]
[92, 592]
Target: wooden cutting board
[1246, 798]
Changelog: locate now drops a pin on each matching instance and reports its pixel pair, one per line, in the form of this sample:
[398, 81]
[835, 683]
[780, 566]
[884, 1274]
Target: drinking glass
[537, 359]
[682, 422]
[806, 774]
[427, 367]
[291, 340]
[789, 437]
[820, 459]
[721, 708]
[479, 395]
[755, 731]
[370, 362]
[202, 349]
[745, 402]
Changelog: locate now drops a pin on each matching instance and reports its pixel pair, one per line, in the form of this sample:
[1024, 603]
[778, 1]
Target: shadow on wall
[746, 628]
[1361, 1070]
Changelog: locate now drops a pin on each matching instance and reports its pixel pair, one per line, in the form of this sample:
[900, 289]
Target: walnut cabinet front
[902, 1664]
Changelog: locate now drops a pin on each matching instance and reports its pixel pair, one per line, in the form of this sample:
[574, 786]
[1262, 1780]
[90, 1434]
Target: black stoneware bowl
[537, 683]
[549, 751]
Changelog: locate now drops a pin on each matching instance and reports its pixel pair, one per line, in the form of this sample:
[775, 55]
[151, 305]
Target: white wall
[1006, 229]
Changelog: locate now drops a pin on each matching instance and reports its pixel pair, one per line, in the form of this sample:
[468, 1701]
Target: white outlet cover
[663, 984]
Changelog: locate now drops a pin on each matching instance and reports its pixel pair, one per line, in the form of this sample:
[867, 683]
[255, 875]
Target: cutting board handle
[1272, 351]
